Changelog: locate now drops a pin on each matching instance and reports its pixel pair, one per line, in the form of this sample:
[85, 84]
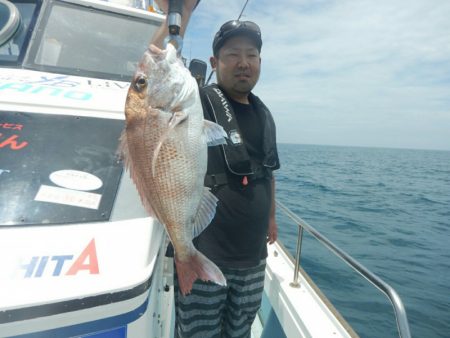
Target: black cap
[235, 28]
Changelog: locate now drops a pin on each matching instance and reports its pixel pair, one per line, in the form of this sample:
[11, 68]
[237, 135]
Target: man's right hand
[163, 31]
[188, 5]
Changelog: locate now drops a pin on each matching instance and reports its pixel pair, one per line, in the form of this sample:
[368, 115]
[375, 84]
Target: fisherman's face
[238, 66]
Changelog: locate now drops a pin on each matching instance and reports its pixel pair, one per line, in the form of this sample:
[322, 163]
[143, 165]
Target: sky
[370, 73]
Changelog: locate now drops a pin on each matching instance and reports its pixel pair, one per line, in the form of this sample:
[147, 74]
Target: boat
[79, 256]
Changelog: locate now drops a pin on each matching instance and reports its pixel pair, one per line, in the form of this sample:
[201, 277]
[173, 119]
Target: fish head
[161, 83]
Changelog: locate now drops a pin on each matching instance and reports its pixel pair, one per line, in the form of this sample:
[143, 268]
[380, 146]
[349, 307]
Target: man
[240, 175]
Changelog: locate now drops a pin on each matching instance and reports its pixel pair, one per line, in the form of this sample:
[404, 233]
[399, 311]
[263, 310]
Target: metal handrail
[394, 298]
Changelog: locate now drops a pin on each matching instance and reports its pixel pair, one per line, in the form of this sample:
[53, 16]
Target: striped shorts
[215, 311]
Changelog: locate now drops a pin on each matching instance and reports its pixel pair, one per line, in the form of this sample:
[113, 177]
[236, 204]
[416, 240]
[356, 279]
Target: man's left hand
[272, 232]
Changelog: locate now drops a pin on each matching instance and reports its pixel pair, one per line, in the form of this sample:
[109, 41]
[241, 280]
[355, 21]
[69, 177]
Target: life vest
[234, 155]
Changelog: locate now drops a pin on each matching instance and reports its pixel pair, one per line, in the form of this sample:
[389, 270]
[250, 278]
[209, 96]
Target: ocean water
[389, 209]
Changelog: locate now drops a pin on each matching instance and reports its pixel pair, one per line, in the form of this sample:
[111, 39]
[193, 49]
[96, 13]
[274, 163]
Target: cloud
[364, 72]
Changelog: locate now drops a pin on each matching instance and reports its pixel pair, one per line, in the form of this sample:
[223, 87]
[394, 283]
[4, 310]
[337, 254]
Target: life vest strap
[217, 180]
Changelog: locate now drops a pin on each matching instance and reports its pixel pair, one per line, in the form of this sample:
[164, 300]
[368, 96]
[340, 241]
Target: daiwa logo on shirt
[67, 265]
[224, 102]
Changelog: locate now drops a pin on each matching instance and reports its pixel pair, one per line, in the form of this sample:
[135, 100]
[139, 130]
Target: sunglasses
[235, 24]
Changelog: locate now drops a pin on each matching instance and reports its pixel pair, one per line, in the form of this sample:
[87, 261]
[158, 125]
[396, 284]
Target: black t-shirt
[236, 236]
[251, 127]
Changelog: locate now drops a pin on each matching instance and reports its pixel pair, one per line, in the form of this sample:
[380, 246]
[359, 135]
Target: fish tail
[196, 267]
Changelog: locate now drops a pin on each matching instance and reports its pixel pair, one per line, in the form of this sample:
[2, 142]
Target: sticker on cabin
[55, 265]
[76, 180]
[75, 198]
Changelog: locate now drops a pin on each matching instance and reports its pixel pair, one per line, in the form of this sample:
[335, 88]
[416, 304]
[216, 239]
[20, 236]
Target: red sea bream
[164, 145]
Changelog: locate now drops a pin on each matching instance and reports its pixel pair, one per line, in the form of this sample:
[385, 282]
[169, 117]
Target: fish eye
[140, 83]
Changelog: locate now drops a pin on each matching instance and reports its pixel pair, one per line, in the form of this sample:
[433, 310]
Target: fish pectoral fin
[214, 134]
[205, 212]
[176, 119]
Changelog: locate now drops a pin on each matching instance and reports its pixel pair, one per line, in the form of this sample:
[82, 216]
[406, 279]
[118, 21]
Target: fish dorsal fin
[214, 133]
[205, 212]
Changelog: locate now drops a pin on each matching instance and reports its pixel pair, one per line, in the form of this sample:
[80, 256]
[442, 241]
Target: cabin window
[77, 40]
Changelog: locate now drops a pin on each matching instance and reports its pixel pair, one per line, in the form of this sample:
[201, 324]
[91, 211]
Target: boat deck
[257, 328]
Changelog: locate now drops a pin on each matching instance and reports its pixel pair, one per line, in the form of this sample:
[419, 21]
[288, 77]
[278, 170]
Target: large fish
[164, 145]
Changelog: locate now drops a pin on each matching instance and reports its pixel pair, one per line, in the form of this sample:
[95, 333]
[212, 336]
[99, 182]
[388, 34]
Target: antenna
[242, 11]
[210, 76]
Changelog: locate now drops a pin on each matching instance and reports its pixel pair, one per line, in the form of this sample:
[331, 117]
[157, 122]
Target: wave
[427, 200]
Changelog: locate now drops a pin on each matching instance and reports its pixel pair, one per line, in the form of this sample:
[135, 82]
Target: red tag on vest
[245, 180]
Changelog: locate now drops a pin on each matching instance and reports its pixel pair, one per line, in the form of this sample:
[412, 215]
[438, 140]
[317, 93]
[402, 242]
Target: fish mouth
[154, 50]
[152, 56]
[156, 53]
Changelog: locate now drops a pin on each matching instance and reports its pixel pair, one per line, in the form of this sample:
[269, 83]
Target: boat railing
[386, 289]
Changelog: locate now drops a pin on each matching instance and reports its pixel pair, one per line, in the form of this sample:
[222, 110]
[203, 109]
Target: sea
[390, 210]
